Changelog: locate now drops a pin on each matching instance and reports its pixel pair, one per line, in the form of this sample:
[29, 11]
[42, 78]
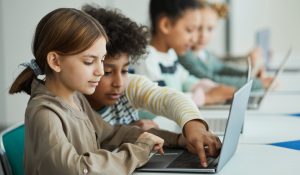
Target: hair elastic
[34, 66]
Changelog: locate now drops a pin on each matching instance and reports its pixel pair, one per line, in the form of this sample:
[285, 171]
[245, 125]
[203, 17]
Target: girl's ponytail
[23, 82]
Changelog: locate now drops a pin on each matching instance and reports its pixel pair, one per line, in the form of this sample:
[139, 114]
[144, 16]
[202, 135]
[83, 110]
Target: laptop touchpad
[162, 161]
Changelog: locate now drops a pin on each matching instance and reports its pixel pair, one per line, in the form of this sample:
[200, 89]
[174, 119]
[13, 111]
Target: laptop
[180, 160]
[218, 123]
[256, 98]
[226, 105]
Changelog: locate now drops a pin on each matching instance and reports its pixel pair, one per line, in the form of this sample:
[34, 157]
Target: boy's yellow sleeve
[145, 94]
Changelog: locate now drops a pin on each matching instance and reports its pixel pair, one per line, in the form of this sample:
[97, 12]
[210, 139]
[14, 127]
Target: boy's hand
[181, 141]
[146, 124]
[200, 141]
[159, 142]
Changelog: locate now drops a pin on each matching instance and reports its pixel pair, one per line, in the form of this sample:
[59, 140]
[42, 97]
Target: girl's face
[82, 72]
[206, 29]
[113, 83]
[183, 32]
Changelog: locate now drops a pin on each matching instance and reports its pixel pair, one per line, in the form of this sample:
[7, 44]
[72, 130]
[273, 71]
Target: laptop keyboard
[188, 160]
[254, 100]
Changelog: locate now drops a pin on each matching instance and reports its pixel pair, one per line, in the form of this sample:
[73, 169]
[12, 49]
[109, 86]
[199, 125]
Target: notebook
[180, 160]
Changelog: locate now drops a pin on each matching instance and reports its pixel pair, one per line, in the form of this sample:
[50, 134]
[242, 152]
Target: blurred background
[235, 36]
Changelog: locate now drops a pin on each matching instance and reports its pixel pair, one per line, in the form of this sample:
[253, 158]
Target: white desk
[289, 83]
[262, 159]
[264, 129]
[276, 103]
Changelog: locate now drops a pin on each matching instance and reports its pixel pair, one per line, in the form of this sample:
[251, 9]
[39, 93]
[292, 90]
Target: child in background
[204, 64]
[119, 94]
[174, 29]
[63, 134]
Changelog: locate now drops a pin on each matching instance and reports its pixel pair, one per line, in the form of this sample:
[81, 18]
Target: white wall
[217, 44]
[282, 17]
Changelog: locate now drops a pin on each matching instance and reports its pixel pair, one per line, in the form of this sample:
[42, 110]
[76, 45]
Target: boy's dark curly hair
[125, 36]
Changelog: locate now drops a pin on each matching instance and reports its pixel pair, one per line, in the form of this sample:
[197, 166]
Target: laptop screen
[278, 71]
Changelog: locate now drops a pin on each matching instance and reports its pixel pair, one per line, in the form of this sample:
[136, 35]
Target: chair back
[12, 149]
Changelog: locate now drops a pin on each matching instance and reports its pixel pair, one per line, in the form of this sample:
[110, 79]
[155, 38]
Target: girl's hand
[158, 142]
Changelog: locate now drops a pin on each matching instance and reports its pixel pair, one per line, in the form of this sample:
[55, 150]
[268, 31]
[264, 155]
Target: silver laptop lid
[277, 73]
[281, 66]
[234, 124]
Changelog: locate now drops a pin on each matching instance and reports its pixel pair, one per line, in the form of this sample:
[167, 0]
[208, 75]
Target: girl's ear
[165, 24]
[54, 61]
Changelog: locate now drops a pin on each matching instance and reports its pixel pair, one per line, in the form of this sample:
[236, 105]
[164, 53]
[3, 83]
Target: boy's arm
[143, 93]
